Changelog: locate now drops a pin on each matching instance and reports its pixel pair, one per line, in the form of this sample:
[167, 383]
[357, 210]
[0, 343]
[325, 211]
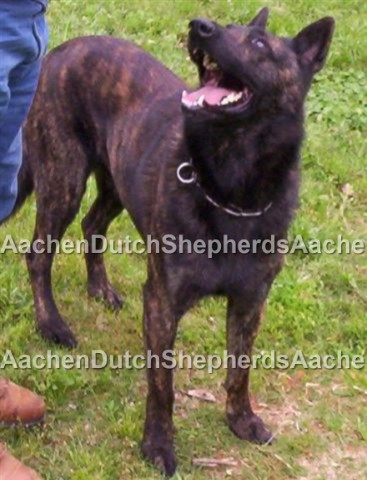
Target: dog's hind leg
[105, 208]
[59, 186]
[242, 324]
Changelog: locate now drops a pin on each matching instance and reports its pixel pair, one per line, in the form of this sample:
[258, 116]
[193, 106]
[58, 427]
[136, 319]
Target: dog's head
[245, 71]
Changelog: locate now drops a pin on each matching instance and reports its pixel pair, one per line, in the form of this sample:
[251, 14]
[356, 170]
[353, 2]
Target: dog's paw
[108, 294]
[250, 427]
[161, 456]
[58, 332]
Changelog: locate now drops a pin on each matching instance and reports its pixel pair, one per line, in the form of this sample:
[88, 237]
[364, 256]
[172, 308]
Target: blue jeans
[23, 42]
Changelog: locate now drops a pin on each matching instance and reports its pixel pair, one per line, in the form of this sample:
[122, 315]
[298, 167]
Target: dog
[220, 160]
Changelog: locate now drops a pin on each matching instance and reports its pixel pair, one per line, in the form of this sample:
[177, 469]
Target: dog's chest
[193, 277]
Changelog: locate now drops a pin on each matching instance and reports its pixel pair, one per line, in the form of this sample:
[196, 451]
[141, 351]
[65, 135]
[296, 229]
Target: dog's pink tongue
[213, 95]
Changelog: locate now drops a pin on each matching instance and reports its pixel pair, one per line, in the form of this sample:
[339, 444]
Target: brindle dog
[105, 106]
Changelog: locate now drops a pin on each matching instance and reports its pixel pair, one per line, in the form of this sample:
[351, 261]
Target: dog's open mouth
[219, 90]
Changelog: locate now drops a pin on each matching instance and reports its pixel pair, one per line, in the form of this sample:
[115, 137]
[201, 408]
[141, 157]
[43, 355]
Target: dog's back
[99, 106]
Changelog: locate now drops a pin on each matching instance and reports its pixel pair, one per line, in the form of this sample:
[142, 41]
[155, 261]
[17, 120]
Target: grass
[318, 303]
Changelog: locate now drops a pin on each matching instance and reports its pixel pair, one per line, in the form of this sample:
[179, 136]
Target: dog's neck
[246, 166]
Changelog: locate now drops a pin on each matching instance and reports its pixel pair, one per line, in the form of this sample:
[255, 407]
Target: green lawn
[318, 303]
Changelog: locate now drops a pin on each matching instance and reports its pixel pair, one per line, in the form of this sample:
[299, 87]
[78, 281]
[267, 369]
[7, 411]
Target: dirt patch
[336, 464]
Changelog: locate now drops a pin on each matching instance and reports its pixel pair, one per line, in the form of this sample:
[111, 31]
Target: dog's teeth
[206, 60]
[209, 64]
[212, 66]
[200, 102]
[187, 103]
[231, 98]
[247, 93]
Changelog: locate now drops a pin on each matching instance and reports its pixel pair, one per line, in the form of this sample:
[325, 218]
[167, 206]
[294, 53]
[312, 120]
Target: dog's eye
[258, 42]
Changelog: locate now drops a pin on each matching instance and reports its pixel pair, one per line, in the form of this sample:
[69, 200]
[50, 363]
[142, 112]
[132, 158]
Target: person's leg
[23, 41]
[9, 168]
[22, 84]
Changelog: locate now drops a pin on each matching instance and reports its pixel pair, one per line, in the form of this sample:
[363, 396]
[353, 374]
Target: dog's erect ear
[261, 19]
[312, 43]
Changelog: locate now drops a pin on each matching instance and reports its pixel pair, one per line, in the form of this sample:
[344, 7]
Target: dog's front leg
[243, 319]
[160, 329]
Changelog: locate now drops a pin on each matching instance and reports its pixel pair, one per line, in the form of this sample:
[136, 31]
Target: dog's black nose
[203, 28]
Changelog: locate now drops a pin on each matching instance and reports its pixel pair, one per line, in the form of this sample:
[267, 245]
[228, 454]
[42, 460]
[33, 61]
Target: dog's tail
[25, 184]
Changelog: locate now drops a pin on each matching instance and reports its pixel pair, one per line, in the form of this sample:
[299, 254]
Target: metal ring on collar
[180, 173]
